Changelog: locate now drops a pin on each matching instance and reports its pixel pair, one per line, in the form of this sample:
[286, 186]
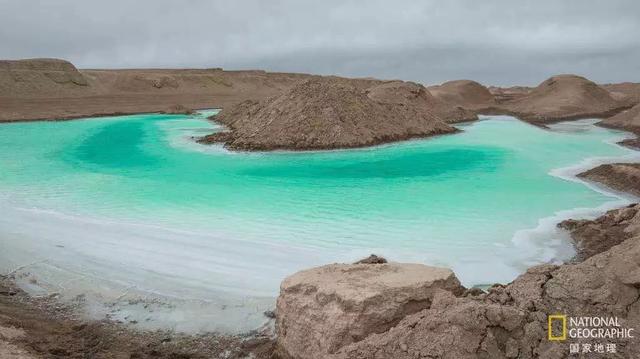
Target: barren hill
[625, 91]
[55, 89]
[628, 120]
[40, 77]
[465, 93]
[564, 97]
[325, 113]
[413, 94]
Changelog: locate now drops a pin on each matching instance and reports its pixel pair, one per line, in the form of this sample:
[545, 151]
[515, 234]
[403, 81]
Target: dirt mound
[623, 177]
[565, 97]
[415, 95]
[465, 93]
[628, 120]
[323, 113]
[43, 77]
[506, 94]
[625, 91]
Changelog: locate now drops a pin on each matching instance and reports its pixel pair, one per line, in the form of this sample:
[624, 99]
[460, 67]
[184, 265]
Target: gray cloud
[495, 42]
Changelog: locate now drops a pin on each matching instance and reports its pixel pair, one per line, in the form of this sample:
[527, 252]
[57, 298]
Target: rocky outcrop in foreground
[507, 321]
[325, 113]
[597, 236]
[323, 309]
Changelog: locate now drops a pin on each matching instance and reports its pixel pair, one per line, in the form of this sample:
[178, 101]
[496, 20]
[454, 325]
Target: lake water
[133, 220]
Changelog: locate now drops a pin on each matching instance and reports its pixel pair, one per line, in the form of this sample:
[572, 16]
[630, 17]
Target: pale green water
[244, 221]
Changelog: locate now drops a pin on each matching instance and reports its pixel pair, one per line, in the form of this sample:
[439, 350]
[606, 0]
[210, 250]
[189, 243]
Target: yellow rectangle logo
[563, 319]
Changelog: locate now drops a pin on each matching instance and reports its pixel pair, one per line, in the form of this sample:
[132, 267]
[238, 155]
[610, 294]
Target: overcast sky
[494, 42]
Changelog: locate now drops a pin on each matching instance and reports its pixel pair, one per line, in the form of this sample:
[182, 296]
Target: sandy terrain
[628, 120]
[326, 113]
[55, 89]
[42, 328]
[563, 97]
[465, 93]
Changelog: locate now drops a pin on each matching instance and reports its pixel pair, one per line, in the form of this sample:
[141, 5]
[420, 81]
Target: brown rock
[506, 94]
[38, 77]
[628, 120]
[323, 113]
[464, 93]
[416, 95]
[372, 259]
[564, 97]
[623, 177]
[625, 91]
[511, 321]
[323, 309]
[599, 235]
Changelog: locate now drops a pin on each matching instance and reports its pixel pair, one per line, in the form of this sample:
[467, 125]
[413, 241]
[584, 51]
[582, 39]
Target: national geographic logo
[557, 327]
[588, 334]
[586, 328]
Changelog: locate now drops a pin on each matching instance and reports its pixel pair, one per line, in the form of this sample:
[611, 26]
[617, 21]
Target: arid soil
[625, 91]
[53, 89]
[42, 328]
[468, 94]
[326, 113]
[506, 94]
[628, 120]
[323, 309]
[563, 97]
[622, 177]
[416, 95]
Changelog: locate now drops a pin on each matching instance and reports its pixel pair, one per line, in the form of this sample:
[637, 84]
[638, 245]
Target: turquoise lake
[133, 202]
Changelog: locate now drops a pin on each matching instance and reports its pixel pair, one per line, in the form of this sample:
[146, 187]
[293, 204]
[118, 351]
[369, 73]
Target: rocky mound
[464, 93]
[623, 177]
[625, 91]
[323, 309]
[416, 95]
[42, 77]
[323, 113]
[565, 97]
[628, 120]
[597, 236]
[506, 94]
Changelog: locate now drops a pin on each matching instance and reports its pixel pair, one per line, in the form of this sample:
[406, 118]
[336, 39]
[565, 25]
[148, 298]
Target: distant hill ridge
[54, 89]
